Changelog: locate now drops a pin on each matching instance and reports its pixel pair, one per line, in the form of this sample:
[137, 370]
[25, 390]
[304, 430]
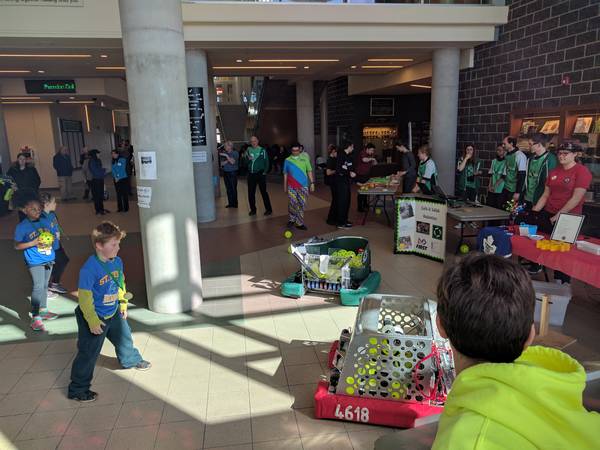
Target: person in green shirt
[427, 171]
[538, 167]
[516, 169]
[258, 165]
[497, 172]
[469, 171]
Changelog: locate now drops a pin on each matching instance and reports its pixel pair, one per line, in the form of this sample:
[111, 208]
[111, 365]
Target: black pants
[230, 179]
[98, 194]
[88, 188]
[60, 263]
[332, 216]
[122, 188]
[259, 179]
[361, 200]
[408, 183]
[342, 192]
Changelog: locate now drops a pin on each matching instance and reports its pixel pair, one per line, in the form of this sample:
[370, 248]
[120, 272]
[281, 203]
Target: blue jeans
[39, 294]
[117, 330]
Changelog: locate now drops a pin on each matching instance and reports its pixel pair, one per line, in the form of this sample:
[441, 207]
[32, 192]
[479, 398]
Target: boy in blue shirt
[60, 256]
[102, 313]
[35, 237]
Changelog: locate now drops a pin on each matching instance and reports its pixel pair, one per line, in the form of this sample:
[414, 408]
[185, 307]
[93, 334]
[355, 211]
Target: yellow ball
[287, 234]
[378, 211]
[464, 249]
[289, 250]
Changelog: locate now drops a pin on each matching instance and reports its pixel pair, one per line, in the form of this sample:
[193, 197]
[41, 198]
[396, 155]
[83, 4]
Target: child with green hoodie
[507, 394]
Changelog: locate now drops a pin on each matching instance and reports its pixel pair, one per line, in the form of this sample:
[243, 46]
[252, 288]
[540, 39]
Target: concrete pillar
[444, 112]
[305, 118]
[203, 147]
[324, 123]
[5, 159]
[156, 84]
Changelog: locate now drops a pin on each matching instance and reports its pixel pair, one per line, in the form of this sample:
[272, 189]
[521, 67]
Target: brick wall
[542, 41]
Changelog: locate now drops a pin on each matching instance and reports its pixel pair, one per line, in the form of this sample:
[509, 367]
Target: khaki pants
[66, 188]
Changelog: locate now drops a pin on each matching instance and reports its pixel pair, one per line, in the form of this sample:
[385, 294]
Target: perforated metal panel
[392, 336]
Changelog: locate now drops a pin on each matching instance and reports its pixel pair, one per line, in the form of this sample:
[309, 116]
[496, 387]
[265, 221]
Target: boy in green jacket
[507, 395]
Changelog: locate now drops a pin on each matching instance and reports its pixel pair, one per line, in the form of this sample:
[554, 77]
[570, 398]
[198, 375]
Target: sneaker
[268, 213]
[301, 227]
[534, 268]
[47, 315]
[56, 287]
[290, 224]
[143, 365]
[557, 281]
[458, 226]
[84, 397]
[51, 294]
[37, 324]
[252, 213]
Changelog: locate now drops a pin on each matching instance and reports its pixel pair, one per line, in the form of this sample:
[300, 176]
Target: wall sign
[41, 2]
[147, 165]
[197, 116]
[50, 86]
[382, 107]
[421, 226]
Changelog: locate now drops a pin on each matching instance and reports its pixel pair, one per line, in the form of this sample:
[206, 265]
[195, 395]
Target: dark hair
[370, 145]
[46, 197]
[539, 138]
[511, 140]
[346, 144]
[330, 148]
[296, 145]
[485, 304]
[473, 159]
[400, 144]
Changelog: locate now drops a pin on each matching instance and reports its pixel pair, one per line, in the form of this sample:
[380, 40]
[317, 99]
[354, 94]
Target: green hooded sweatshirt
[533, 403]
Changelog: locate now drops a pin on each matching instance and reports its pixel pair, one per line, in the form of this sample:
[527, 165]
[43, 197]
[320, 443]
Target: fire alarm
[566, 80]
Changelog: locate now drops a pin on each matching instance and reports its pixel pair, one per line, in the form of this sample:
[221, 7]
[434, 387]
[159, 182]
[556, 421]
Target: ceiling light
[103, 56]
[26, 103]
[110, 68]
[253, 67]
[382, 67]
[293, 60]
[353, 67]
[41, 71]
[15, 71]
[424, 86]
[21, 98]
[30, 55]
[390, 59]
[307, 67]
[71, 98]
[238, 60]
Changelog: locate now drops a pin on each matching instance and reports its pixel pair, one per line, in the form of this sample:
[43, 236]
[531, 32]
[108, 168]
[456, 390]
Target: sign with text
[147, 165]
[41, 2]
[50, 86]
[197, 116]
[421, 226]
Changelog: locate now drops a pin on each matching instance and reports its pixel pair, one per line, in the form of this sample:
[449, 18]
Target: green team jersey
[498, 173]
[537, 172]
[467, 178]
[516, 161]
[427, 171]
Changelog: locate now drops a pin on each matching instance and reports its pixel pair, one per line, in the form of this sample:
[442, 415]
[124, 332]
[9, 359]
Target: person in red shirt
[564, 193]
[366, 159]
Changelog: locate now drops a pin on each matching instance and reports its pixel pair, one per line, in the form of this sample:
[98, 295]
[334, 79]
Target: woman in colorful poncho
[297, 179]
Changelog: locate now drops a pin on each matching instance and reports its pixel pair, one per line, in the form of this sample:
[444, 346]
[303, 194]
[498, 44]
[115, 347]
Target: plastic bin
[559, 297]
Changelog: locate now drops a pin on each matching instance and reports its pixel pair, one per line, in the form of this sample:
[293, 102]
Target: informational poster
[197, 116]
[421, 226]
[147, 165]
[144, 195]
[199, 156]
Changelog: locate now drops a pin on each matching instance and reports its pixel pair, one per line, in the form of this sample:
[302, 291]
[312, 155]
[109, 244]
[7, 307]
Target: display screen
[50, 86]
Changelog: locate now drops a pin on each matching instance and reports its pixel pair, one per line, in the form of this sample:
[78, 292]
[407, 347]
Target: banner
[421, 226]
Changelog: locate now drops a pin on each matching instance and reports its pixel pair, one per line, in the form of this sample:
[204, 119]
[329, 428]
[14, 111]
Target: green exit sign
[50, 86]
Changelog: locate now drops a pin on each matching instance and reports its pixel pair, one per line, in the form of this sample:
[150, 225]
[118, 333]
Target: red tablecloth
[575, 263]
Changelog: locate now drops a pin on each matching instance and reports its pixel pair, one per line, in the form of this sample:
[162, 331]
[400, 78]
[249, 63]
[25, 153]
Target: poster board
[421, 226]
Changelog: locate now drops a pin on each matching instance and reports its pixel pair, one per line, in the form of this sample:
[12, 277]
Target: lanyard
[120, 284]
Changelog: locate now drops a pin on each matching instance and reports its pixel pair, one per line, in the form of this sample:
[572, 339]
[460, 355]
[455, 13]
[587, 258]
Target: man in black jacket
[64, 172]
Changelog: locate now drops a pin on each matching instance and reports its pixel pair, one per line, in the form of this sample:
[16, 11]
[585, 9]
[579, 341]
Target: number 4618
[357, 414]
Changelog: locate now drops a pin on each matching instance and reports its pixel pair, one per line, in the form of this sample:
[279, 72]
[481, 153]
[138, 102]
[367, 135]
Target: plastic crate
[559, 298]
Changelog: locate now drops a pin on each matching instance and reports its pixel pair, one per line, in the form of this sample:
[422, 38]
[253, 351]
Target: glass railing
[421, 2]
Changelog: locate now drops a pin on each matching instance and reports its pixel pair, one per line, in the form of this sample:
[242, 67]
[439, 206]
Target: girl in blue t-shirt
[35, 237]
[60, 256]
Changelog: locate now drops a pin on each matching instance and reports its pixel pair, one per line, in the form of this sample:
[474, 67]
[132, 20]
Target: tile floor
[237, 374]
